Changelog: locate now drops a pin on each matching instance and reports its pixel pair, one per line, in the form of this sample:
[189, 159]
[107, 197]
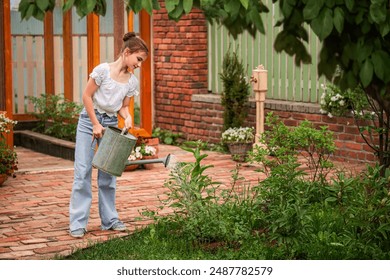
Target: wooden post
[118, 10]
[49, 53]
[93, 43]
[130, 28]
[6, 91]
[68, 55]
[2, 59]
[146, 68]
[259, 79]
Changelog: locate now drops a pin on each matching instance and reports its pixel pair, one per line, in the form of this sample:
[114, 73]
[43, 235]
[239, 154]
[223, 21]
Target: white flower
[330, 115]
[323, 111]
[342, 102]
[6, 123]
[149, 150]
[238, 135]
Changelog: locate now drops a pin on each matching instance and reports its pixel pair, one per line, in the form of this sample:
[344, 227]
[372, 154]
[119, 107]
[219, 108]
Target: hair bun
[128, 35]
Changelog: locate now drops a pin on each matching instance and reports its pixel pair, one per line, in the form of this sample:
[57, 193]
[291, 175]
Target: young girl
[107, 94]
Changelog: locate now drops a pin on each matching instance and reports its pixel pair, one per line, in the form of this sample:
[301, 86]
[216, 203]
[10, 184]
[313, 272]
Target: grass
[156, 242]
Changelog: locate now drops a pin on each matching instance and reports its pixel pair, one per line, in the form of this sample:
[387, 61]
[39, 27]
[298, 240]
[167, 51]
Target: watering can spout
[164, 161]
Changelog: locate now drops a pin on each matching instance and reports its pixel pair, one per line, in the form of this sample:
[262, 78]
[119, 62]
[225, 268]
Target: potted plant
[141, 151]
[239, 141]
[8, 157]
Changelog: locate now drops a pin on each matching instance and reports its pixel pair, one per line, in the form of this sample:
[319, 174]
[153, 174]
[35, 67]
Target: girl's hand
[128, 122]
[98, 131]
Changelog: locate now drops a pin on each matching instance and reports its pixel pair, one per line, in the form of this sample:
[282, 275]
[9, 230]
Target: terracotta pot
[131, 167]
[3, 178]
[150, 165]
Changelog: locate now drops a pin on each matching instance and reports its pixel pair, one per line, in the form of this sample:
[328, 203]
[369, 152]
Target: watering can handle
[124, 131]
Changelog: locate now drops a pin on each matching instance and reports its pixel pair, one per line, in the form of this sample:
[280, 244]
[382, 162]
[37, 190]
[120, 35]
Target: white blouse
[108, 98]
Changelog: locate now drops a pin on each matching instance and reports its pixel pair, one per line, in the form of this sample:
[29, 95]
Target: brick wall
[349, 143]
[182, 102]
[180, 71]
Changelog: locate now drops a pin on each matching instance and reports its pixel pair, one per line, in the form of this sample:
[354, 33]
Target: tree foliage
[236, 15]
[355, 37]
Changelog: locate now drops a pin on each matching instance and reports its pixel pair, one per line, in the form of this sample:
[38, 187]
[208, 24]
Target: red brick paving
[34, 205]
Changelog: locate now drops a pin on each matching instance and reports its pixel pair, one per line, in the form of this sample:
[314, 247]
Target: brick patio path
[34, 205]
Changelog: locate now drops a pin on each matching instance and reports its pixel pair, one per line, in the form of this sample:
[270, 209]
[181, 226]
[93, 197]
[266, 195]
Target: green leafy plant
[205, 212]
[285, 144]
[369, 116]
[327, 217]
[235, 95]
[56, 116]
[8, 157]
[166, 136]
[236, 15]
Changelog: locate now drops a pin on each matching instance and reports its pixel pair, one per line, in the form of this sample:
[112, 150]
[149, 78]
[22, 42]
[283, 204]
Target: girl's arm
[124, 113]
[88, 93]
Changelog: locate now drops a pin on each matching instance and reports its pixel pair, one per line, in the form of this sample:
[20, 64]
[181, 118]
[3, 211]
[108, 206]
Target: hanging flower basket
[239, 150]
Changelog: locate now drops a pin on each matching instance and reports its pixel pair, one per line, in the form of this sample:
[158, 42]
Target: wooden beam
[93, 41]
[68, 55]
[145, 79]
[130, 28]
[130, 21]
[7, 61]
[2, 66]
[49, 53]
[119, 19]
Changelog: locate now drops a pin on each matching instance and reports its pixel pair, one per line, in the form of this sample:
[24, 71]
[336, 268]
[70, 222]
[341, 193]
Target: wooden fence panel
[80, 67]
[28, 77]
[29, 69]
[58, 66]
[286, 81]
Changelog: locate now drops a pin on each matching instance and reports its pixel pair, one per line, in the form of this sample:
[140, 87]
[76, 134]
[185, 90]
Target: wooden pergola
[93, 45]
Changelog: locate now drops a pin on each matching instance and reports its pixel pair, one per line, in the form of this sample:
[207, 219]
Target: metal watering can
[114, 151]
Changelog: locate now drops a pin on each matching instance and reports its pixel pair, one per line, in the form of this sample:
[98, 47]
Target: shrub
[166, 136]
[235, 95]
[204, 212]
[285, 144]
[343, 217]
[56, 116]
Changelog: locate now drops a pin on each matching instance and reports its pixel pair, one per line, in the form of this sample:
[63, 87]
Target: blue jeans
[81, 197]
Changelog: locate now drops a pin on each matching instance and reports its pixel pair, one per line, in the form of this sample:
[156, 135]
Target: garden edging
[44, 144]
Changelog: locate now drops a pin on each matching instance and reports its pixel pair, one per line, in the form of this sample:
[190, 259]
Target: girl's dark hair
[134, 43]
